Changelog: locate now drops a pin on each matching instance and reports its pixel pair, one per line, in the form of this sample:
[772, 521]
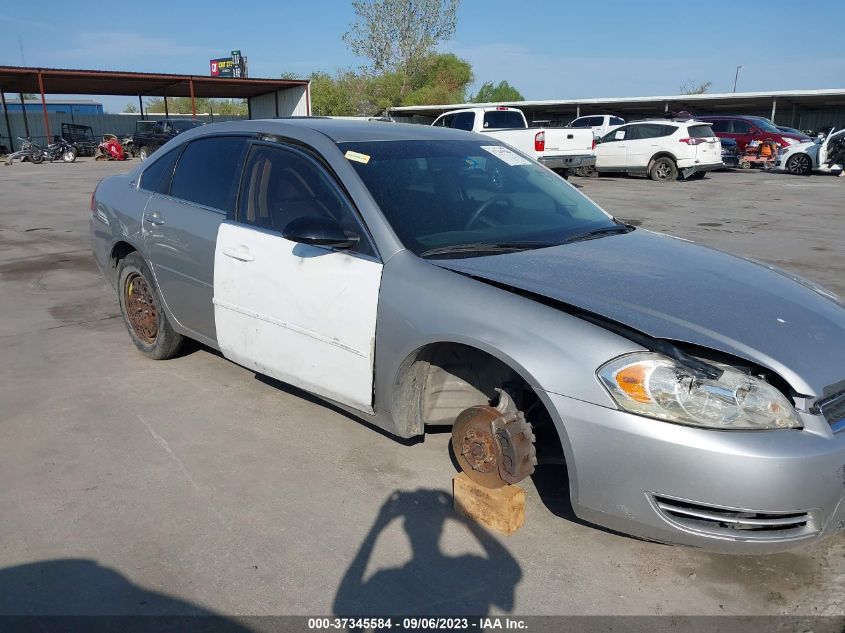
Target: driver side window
[282, 184]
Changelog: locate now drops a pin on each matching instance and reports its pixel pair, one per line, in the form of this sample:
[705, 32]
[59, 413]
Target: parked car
[824, 156]
[424, 276]
[601, 124]
[148, 139]
[730, 152]
[81, 137]
[744, 129]
[798, 133]
[559, 149]
[660, 149]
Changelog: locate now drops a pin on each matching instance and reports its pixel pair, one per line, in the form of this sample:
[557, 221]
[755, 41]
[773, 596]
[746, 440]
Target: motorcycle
[60, 150]
[28, 151]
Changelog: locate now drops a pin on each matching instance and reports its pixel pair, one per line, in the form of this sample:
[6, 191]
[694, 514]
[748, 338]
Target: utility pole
[736, 76]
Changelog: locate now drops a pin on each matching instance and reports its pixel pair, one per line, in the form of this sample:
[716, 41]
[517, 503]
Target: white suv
[662, 149]
[600, 123]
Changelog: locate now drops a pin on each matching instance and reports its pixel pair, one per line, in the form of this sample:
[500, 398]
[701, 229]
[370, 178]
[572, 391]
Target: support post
[8, 125]
[577, 111]
[25, 118]
[248, 108]
[48, 140]
[276, 100]
[211, 110]
[141, 107]
[193, 99]
[166, 113]
[774, 109]
[792, 118]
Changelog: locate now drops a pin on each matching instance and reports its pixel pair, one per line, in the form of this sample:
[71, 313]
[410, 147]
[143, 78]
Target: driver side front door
[305, 315]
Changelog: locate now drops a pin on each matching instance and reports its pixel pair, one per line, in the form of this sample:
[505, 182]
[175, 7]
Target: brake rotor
[494, 448]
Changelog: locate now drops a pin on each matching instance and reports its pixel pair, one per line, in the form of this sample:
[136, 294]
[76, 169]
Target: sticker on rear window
[357, 157]
[507, 155]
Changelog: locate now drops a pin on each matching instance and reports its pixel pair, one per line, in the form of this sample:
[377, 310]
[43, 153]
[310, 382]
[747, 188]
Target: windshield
[765, 125]
[449, 194]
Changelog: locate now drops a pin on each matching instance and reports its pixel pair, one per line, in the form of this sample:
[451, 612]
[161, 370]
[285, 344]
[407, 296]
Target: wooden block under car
[500, 509]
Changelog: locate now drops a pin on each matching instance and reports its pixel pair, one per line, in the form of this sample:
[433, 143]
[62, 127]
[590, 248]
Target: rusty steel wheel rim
[140, 308]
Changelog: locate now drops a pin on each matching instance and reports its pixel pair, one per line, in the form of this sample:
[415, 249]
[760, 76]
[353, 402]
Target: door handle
[241, 253]
[154, 217]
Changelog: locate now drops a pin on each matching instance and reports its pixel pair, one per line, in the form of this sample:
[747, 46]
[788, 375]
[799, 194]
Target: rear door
[303, 314]
[742, 132]
[181, 220]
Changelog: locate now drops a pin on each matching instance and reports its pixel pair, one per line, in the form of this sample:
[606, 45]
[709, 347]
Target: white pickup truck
[560, 149]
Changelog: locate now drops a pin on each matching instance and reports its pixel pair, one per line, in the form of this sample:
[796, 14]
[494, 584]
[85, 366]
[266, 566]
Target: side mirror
[319, 231]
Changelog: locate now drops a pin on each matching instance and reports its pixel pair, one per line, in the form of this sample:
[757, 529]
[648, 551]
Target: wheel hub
[494, 448]
[141, 308]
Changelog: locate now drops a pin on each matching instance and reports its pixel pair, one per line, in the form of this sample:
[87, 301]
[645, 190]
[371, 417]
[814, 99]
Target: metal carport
[266, 98]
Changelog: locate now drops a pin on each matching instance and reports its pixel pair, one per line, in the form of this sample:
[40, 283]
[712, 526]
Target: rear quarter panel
[117, 217]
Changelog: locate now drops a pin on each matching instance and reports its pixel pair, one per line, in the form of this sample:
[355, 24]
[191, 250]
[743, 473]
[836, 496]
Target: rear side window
[464, 121]
[654, 130]
[208, 172]
[615, 120]
[282, 184]
[503, 119]
[700, 131]
[596, 121]
[157, 176]
[741, 127]
[721, 125]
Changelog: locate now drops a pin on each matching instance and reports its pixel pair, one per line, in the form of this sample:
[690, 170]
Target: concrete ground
[194, 486]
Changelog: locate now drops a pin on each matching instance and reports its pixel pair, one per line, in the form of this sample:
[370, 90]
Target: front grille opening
[737, 523]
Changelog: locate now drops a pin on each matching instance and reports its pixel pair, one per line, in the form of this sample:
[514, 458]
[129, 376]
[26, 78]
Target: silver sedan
[423, 276]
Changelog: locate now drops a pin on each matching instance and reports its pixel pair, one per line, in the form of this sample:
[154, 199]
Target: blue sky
[547, 49]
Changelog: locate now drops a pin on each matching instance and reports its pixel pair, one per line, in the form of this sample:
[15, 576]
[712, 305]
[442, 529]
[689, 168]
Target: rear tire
[663, 169]
[799, 164]
[141, 307]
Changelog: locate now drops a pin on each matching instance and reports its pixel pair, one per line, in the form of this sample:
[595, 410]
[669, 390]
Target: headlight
[655, 386]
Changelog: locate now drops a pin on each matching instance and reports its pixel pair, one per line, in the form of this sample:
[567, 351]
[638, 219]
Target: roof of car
[345, 130]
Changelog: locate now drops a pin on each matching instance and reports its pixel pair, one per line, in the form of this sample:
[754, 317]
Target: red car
[743, 129]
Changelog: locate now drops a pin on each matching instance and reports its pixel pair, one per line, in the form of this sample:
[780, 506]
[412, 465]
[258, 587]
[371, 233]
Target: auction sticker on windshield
[504, 154]
[357, 157]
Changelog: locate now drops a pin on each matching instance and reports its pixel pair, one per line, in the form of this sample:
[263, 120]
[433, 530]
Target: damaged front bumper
[725, 491]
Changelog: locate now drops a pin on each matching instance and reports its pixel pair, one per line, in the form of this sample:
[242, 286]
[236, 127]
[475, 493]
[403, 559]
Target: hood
[676, 290]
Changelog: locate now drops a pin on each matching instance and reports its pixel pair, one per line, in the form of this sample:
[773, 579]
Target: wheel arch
[410, 402]
[119, 250]
[661, 154]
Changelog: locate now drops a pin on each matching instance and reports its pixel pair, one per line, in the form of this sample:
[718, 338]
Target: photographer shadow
[431, 583]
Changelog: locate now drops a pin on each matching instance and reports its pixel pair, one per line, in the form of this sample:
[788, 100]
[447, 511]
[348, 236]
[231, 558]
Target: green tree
[341, 94]
[182, 105]
[443, 78]
[398, 35]
[488, 93]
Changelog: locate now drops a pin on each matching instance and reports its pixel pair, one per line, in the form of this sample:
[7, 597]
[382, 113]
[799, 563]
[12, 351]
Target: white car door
[610, 153]
[303, 314]
[645, 140]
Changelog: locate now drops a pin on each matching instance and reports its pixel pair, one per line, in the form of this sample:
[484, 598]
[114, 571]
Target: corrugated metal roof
[702, 99]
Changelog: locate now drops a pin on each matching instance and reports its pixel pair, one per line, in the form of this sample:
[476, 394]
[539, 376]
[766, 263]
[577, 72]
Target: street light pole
[736, 76]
